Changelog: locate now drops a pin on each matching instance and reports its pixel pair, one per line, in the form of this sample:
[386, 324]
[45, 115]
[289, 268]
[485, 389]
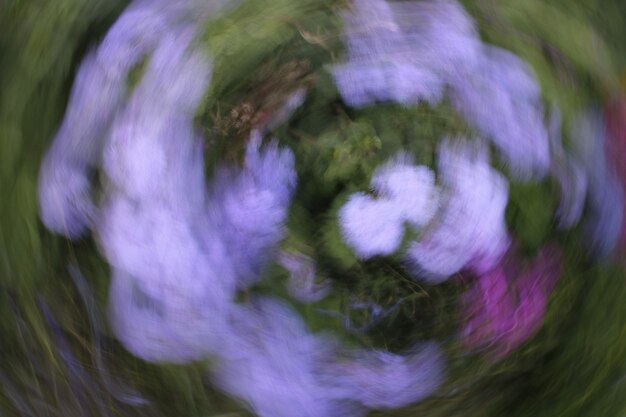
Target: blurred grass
[58, 356]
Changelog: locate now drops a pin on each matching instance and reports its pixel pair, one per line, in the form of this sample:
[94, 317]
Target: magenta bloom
[506, 305]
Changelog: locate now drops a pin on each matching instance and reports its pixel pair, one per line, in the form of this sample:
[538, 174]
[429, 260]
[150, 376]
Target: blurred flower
[180, 250]
[382, 380]
[64, 178]
[171, 274]
[411, 188]
[371, 227]
[409, 51]
[250, 206]
[98, 92]
[280, 369]
[507, 304]
[406, 193]
[501, 97]
[470, 227]
[302, 273]
[605, 195]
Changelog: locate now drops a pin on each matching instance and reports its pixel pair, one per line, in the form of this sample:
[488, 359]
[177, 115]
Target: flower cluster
[407, 193]
[462, 220]
[407, 52]
[180, 248]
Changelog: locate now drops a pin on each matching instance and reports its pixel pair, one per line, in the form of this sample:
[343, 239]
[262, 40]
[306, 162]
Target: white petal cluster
[410, 187]
[406, 194]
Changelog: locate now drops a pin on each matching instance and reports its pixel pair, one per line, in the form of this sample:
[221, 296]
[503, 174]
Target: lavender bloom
[615, 119]
[143, 23]
[168, 327]
[501, 98]
[441, 35]
[146, 165]
[605, 197]
[363, 84]
[189, 267]
[382, 380]
[282, 370]
[407, 193]
[269, 360]
[156, 191]
[98, 91]
[169, 260]
[132, 37]
[381, 66]
[64, 198]
[253, 206]
[64, 179]
[471, 227]
[176, 245]
[409, 51]
[180, 250]
[185, 275]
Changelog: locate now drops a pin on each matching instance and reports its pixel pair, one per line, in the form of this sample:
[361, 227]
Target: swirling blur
[313, 208]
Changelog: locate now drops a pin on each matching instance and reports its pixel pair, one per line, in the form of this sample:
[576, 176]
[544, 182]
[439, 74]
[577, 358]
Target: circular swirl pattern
[335, 230]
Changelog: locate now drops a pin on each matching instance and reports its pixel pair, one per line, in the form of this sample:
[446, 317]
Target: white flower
[406, 193]
[411, 188]
[371, 227]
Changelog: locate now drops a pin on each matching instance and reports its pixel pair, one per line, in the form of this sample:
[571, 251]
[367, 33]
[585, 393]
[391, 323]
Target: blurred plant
[572, 366]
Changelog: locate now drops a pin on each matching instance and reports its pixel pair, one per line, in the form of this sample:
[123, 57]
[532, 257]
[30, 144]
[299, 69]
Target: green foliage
[530, 213]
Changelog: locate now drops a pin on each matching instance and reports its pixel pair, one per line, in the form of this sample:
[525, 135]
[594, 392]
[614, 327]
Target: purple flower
[507, 304]
[407, 52]
[470, 226]
[279, 368]
[605, 196]
[501, 98]
[250, 206]
[64, 179]
[180, 250]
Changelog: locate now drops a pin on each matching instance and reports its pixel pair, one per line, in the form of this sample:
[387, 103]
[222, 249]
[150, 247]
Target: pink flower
[506, 305]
